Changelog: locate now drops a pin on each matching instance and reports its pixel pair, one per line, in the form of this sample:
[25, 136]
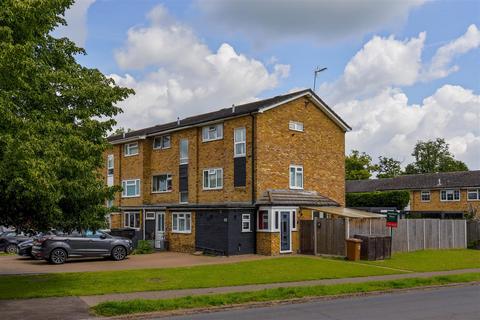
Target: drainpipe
[253, 184]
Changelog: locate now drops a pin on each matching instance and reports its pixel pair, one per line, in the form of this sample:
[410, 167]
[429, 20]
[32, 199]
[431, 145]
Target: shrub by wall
[398, 199]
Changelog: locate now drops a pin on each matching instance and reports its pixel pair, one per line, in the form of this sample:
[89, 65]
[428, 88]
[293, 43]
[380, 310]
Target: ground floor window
[263, 223]
[131, 220]
[182, 222]
[246, 222]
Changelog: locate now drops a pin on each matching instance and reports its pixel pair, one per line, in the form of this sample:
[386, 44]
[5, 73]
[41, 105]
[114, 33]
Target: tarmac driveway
[19, 265]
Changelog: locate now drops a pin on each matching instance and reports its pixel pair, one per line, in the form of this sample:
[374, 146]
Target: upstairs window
[213, 179]
[295, 126]
[296, 177]
[239, 141]
[131, 149]
[212, 132]
[162, 183]
[425, 196]
[183, 151]
[450, 195]
[110, 164]
[131, 188]
[162, 142]
[473, 194]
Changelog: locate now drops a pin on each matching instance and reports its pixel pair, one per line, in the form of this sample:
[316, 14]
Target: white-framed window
[473, 194]
[263, 221]
[130, 149]
[213, 179]
[450, 195]
[183, 151]
[149, 215]
[182, 222]
[162, 142]
[162, 183]
[110, 164]
[183, 197]
[212, 132]
[296, 177]
[131, 188]
[246, 222]
[425, 196]
[240, 142]
[131, 220]
[295, 126]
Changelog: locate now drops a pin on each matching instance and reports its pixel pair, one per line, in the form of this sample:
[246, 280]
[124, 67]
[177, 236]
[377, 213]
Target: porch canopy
[347, 212]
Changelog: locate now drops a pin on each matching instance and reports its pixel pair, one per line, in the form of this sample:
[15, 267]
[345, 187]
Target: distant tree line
[430, 157]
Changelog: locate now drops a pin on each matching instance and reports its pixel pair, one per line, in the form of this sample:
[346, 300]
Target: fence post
[408, 236]
[453, 233]
[370, 220]
[439, 236]
[465, 228]
[424, 236]
[315, 230]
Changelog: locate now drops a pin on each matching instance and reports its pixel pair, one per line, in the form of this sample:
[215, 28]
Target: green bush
[144, 247]
[398, 199]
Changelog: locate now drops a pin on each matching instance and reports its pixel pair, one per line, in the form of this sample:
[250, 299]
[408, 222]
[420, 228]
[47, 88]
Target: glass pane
[187, 222]
[184, 149]
[175, 222]
[157, 142]
[212, 180]
[181, 224]
[292, 177]
[299, 179]
[219, 130]
[219, 178]
[166, 142]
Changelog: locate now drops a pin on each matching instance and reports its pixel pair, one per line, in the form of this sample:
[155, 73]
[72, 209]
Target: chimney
[439, 182]
[178, 121]
[233, 108]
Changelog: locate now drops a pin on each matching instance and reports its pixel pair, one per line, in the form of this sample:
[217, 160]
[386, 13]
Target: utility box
[375, 247]
[353, 249]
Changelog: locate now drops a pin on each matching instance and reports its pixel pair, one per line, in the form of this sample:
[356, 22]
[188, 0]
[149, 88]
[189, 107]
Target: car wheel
[119, 253]
[58, 256]
[11, 248]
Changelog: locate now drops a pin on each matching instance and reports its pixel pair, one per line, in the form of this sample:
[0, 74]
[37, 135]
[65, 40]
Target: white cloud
[386, 124]
[188, 76]
[76, 17]
[439, 66]
[322, 20]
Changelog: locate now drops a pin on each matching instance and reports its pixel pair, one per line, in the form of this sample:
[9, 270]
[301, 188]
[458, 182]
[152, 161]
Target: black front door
[285, 231]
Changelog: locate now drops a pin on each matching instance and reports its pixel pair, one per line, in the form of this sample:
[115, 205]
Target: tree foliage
[55, 115]
[388, 167]
[358, 166]
[434, 156]
[398, 199]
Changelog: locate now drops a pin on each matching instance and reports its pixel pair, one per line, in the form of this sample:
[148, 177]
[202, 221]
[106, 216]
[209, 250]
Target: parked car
[10, 240]
[25, 247]
[57, 249]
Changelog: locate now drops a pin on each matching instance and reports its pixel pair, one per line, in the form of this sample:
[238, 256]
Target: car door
[77, 243]
[98, 243]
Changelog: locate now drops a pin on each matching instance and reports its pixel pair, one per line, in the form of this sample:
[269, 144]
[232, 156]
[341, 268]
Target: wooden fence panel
[307, 237]
[473, 231]
[331, 236]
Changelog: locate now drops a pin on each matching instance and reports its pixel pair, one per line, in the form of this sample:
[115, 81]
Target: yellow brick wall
[116, 221]
[268, 243]
[436, 205]
[179, 242]
[320, 149]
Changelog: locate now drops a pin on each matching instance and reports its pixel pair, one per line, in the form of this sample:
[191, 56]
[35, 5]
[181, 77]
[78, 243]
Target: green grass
[140, 306]
[432, 260]
[251, 272]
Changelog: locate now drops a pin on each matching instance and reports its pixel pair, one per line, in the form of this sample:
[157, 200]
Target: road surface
[462, 303]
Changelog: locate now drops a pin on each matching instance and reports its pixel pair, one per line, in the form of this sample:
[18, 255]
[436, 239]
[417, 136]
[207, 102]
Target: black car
[10, 240]
[57, 249]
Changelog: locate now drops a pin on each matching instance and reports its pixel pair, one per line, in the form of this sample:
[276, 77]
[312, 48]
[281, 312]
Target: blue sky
[398, 71]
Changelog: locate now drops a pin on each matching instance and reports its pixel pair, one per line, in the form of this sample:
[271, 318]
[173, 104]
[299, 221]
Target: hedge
[398, 199]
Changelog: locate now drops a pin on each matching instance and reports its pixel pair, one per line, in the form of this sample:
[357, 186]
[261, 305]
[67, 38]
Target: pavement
[76, 308]
[461, 302]
[10, 265]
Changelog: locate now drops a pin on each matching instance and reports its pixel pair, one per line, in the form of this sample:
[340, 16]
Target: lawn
[432, 260]
[242, 273]
[115, 308]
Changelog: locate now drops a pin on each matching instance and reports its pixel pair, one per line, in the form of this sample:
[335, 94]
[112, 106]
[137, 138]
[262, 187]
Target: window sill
[212, 189]
[246, 231]
[209, 140]
[450, 200]
[130, 155]
[160, 192]
[182, 232]
[296, 188]
[123, 197]
[240, 156]
[473, 200]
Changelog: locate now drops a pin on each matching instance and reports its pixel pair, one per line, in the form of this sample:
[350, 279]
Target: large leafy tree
[434, 156]
[388, 167]
[55, 115]
[358, 166]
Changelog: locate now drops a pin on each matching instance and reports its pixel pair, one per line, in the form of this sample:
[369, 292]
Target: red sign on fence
[392, 219]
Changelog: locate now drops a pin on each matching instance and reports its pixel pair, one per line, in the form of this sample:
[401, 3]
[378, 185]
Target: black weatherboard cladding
[221, 231]
[240, 172]
[183, 177]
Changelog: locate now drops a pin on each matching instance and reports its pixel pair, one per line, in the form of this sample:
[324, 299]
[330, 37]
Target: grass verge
[232, 274]
[432, 260]
[116, 308]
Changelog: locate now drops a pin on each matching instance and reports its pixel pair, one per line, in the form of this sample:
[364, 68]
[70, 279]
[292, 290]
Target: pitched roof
[225, 113]
[461, 179]
[294, 197]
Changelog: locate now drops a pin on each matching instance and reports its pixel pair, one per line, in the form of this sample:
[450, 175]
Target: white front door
[159, 230]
